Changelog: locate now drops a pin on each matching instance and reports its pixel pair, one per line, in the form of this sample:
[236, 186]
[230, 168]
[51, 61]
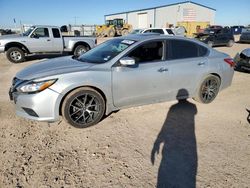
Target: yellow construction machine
[113, 28]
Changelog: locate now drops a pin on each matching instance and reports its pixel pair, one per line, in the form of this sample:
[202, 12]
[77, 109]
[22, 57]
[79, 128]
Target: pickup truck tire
[80, 49]
[125, 32]
[83, 107]
[111, 33]
[15, 55]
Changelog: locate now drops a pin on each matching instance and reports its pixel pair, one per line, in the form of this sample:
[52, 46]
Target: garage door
[143, 20]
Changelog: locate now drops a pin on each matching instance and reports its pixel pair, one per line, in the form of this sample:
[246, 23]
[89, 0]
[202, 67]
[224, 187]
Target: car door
[146, 81]
[187, 64]
[40, 40]
[221, 37]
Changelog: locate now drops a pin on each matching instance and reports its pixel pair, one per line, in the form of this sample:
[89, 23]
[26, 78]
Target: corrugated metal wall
[163, 16]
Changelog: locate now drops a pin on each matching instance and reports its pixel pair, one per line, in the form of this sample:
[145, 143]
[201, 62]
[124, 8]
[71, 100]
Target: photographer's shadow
[178, 166]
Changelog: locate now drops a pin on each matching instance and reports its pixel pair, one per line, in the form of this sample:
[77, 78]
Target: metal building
[182, 13]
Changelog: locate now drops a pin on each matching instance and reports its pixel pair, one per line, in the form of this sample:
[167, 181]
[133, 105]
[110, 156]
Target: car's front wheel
[15, 55]
[83, 107]
[208, 89]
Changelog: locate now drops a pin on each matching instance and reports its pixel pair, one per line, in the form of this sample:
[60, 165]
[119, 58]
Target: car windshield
[106, 51]
[26, 33]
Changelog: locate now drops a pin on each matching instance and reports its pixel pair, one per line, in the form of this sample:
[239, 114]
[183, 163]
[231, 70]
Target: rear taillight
[230, 61]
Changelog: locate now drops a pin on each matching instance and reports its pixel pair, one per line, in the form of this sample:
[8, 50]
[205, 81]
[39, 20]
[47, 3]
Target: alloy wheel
[15, 55]
[209, 89]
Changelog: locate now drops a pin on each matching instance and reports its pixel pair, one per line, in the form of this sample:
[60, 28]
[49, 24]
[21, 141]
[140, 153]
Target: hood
[52, 67]
[11, 36]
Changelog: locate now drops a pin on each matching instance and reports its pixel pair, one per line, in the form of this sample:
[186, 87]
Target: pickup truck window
[170, 32]
[26, 33]
[106, 51]
[157, 31]
[41, 32]
[56, 33]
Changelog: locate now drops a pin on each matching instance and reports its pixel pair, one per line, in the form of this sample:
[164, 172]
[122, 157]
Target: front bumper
[243, 65]
[42, 106]
[1, 49]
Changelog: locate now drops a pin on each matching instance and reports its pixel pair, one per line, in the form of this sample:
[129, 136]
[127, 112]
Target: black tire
[230, 43]
[83, 107]
[210, 43]
[125, 32]
[80, 49]
[15, 55]
[208, 89]
[111, 33]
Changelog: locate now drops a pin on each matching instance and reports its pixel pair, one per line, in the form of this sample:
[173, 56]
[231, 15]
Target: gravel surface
[199, 145]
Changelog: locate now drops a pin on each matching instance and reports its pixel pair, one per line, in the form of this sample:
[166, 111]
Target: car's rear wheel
[230, 43]
[80, 49]
[83, 107]
[15, 55]
[209, 89]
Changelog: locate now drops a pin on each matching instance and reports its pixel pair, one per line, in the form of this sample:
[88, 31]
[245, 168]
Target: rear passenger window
[180, 49]
[202, 51]
[148, 52]
[56, 33]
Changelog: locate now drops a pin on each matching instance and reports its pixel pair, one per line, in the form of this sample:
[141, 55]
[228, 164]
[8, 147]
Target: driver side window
[148, 52]
[41, 32]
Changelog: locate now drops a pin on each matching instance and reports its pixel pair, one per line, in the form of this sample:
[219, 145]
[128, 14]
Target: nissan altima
[120, 73]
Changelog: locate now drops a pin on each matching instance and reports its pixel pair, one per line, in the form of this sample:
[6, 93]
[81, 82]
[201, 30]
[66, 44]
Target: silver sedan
[120, 73]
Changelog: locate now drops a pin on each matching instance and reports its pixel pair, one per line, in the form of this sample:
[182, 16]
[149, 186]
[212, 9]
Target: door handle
[201, 63]
[48, 39]
[162, 70]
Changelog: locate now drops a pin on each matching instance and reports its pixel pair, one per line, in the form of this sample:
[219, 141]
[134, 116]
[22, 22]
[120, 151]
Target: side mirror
[127, 61]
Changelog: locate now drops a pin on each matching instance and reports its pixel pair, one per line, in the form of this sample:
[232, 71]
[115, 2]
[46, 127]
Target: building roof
[184, 2]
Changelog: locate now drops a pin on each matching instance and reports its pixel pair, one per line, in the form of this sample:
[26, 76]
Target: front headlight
[203, 38]
[33, 87]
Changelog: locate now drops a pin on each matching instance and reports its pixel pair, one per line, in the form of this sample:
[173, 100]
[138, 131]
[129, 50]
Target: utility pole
[75, 17]
[14, 20]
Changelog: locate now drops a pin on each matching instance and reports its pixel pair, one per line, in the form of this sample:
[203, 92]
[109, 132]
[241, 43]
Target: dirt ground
[199, 145]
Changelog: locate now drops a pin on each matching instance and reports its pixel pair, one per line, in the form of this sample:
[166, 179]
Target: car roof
[145, 36]
[49, 26]
[157, 36]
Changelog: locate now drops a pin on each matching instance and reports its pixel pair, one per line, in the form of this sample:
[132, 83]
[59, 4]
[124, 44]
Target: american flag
[189, 14]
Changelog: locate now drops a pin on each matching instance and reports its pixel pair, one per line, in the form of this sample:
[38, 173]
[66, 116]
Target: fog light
[30, 112]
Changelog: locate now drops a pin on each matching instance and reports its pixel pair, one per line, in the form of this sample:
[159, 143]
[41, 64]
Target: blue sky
[61, 12]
